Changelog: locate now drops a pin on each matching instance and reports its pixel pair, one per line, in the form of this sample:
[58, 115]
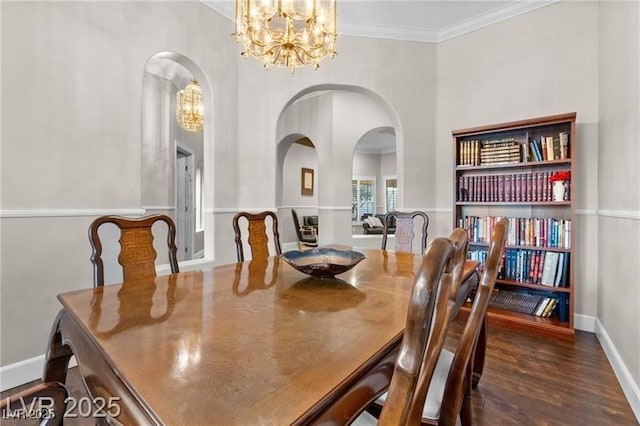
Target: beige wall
[72, 73]
[618, 226]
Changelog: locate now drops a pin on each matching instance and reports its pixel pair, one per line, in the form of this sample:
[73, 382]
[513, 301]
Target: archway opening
[299, 187]
[335, 118]
[374, 184]
[175, 170]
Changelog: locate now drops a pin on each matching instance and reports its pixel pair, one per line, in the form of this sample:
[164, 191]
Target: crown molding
[492, 17]
[430, 35]
[388, 32]
[224, 8]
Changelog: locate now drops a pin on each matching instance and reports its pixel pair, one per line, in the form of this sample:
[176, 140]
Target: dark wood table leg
[111, 397]
[58, 354]
[479, 354]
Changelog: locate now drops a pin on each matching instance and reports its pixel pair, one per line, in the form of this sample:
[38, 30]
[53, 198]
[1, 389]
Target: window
[391, 193]
[362, 197]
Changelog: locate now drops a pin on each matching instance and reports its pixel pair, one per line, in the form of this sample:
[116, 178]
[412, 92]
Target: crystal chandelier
[287, 33]
[189, 107]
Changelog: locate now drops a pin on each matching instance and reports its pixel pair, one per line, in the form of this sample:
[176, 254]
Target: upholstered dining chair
[51, 396]
[257, 238]
[307, 238]
[444, 395]
[404, 230]
[427, 322]
[137, 254]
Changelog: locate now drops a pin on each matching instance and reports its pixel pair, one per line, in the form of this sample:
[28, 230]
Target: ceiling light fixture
[189, 107]
[287, 33]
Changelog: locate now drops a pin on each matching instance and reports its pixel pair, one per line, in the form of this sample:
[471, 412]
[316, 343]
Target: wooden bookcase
[500, 173]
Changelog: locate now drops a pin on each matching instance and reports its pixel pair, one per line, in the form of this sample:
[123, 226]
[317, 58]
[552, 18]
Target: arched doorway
[175, 167]
[335, 118]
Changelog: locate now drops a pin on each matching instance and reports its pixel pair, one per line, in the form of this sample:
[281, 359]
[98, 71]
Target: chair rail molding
[24, 213]
[620, 214]
[427, 209]
[158, 208]
[234, 210]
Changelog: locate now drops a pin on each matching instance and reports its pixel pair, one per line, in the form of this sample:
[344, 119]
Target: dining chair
[443, 393]
[137, 255]
[49, 397]
[307, 237]
[427, 315]
[449, 392]
[257, 229]
[404, 230]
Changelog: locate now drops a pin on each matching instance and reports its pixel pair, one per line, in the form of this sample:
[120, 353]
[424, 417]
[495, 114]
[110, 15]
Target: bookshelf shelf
[546, 325]
[506, 170]
[523, 247]
[533, 286]
[515, 203]
[526, 165]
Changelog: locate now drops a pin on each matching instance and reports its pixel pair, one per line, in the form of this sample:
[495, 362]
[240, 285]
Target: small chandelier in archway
[287, 33]
[189, 107]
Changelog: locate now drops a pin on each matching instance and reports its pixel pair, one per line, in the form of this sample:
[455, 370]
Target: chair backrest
[404, 230]
[137, 254]
[426, 329]
[258, 240]
[458, 381]
[452, 278]
[296, 223]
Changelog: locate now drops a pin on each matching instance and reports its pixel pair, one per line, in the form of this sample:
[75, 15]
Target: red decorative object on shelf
[560, 176]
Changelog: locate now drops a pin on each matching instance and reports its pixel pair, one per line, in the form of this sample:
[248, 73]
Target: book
[549, 308]
[549, 143]
[515, 301]
[556, 148]
[564, 280]
[549, 268]
[559, 270]
[536, 148]
[564, 145]
[563, 307]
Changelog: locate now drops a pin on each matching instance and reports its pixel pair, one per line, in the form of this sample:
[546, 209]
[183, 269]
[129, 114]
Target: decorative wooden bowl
[323, 262]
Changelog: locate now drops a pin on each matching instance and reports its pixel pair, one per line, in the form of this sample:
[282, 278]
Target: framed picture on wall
[307, 181]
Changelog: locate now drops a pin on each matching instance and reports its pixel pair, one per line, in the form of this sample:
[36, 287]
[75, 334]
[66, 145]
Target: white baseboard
[21, 372]
[584, 322]
[26, 371]
[629, 386]
[289, 246]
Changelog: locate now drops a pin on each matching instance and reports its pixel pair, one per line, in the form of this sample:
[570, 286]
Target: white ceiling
[418, 20]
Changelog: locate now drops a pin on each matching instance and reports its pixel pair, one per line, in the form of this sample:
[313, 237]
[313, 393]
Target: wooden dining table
[250, 343]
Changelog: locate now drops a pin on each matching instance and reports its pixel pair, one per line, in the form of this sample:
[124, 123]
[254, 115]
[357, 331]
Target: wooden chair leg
[466, 414]
[479, 354]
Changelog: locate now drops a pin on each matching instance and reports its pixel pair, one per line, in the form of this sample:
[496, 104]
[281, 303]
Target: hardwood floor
[528, 379]
[533, 379]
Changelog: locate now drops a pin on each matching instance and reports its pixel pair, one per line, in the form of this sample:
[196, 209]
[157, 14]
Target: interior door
[184, 214]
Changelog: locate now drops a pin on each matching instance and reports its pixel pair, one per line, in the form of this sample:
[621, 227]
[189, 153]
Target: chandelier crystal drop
[190, 108]
[287, 33]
